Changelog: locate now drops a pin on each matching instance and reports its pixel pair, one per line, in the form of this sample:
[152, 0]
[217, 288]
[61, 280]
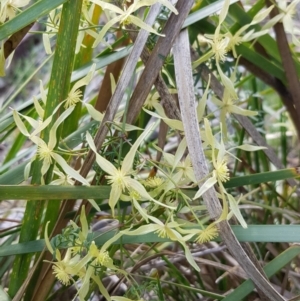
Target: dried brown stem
[185, 86]
[14, 40]
[287, 61]
[156, 60]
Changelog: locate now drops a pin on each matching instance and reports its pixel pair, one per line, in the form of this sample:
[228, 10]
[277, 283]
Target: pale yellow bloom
[228, 106]
[151, 100]
[208, 234]
[120, 178]
[63, 179]
[9, 8]
[169, 230]
[154, 182]
[287, 18]
[75, 93]
[126, 16]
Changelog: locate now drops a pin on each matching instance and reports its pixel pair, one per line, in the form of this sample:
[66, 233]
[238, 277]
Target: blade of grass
[254, 233]
[204, 12]
[263, 177]
[31, 14]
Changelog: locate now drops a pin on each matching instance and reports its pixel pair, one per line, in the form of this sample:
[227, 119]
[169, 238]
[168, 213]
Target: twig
[185, 85]
[157, 58]
[287, 60]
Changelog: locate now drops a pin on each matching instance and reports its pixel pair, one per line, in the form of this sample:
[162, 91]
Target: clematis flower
[63, 269]
[287, 16]
[45, 151]
[9, 8]
[240, 36]
[85, 269]
[184, 167]
[228, 106]
[220, 173]
[75, 93]
[207, 234]
[120, 178]
[126, 16]
[63, 179]
[170, 230]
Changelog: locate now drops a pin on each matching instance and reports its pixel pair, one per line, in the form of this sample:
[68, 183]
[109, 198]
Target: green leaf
[263, 177]
[254, 233]
[205, 12]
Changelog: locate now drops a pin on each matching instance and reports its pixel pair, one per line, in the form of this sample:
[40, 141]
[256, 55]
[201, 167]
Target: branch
[185, 85]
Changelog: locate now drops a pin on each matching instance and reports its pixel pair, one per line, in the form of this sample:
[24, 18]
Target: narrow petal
[202, 102]
[166, 3]
[138, 22]
[144, 194]
[145, 229]
[105, 29]
[96, 115]
[94, 204]
[142, 211]
[250, 148]
[102, 162]
[240, 111]
[208, 184]
[108, 6]
[85, 286]
[101, 287]
[69, 170]
[236, 210]
[128, 160]
[190, 257]
[20, 124]
[60, 119]
[179, 152]
[47, 241]
[114, 197]
[85, 80]
[174, 124]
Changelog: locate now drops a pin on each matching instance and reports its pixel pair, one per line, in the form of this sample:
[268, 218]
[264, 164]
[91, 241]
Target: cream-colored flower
[228, 106]
[75, 93]
[169, 230]
[208, 234]
[9, 8]
[120, 178]
[154, 182]
[151, 100]
[63, 179]
[126, 16]
[287, 18]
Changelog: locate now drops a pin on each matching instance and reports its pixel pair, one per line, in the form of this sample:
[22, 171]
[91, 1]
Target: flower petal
[236, 211]
[143, 192]
[102, 162]
[208, 184]
[128, 160]
[69, 170]
[114, 197]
